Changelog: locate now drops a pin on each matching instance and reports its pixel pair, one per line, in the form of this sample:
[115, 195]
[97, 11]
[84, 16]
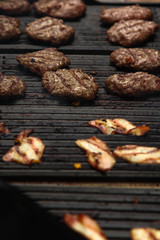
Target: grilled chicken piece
[133, 84]
[113, 15]
[11, 87]
[99, 155]
[42, 61]
[60, 8]
[27, 150]
[85, 225]
[3, 129]
[51, 30]
[138, 154]
[73, 84]
[9, 28]
[14, 7]
[131, 32]
[145, 234]
[118, 125]
[137, 58]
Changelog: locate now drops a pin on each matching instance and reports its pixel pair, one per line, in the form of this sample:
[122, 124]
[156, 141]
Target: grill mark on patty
[132, 54]
[76, 77]
[63, 81]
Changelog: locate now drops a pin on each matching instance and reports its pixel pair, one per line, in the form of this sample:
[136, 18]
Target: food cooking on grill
[51, 30]
[138, 154]
[9, 28]
[140, 59]
[99, 155]
[84, 225]
[70, 83]
[133, 84]
[15, 7]
[3, 128]
[145, 234]
[118, 125]
[27, 150]
[112, 15]
[49, 59]
[60, 8]
[11, 87]
[131, 32]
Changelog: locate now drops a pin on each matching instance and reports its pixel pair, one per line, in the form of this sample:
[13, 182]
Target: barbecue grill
[59, 124]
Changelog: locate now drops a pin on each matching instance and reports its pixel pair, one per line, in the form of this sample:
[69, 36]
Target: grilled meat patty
[11, 87]
[9, 28]
[73, 84]
[131, 32]
[133, 84]
[15, 7]
[113, 15]
[60, 8]
[140, 59]
[41, 61]
[48, 29]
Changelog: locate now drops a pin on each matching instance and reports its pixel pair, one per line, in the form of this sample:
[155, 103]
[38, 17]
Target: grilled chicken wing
[118, 125]
[85, 225]
[27, 150]
[99, 155]
[145, 234]
[138, 154]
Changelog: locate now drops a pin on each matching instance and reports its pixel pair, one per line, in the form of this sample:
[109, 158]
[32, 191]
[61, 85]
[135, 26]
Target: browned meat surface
[41, 61]
[52, 30]
[133, 84]
[131, 32]
[15, 7]
[137, 58]
[11, 87]
[60, 8]
[112, 15]
[9, 28]
[73, 84]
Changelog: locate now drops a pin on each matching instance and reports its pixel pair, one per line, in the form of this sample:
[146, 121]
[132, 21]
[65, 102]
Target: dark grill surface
[58, 123]
[117, 210]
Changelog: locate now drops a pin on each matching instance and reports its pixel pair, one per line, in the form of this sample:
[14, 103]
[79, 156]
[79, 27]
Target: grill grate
[58, 123]
[117, 210]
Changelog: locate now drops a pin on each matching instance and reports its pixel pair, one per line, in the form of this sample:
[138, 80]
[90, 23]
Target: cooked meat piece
[137, 58]
[41, 61]
[138, 154]
[9, 28]
[145, 234]
[133, 84]
[113, 15]
[3, 129]
[85, 225]
[118, 125]
[73, 84]
[131, 32]
[99, 155]
[50, 30]
[11, 87]
[27, 150]
[15, 7]
[60, 8]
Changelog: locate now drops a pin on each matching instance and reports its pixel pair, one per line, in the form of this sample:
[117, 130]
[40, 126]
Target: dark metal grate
[117, 210]
[58, 123]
